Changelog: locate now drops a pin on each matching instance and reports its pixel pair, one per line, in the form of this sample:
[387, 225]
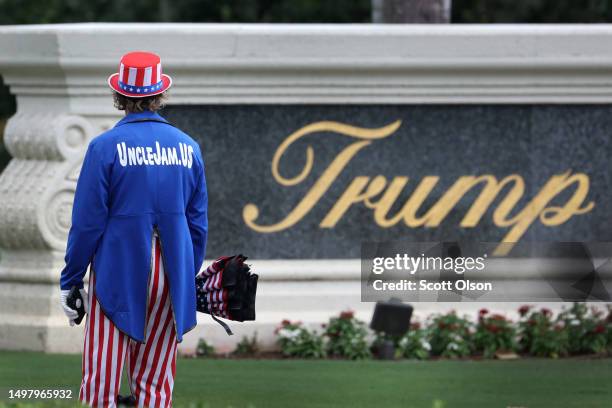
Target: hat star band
[141, 89]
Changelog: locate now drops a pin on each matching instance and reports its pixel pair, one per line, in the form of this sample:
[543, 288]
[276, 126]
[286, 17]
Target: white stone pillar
[57, 115]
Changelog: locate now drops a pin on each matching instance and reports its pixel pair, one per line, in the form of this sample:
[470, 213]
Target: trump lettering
[379, 193]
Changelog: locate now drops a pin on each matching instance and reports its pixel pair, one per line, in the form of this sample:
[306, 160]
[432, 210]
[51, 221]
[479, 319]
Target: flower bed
[578, 330]
[297, 341]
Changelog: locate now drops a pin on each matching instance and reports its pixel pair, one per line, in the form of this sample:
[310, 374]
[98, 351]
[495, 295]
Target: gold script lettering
[549, 216]
[250, 212]
[365, 189]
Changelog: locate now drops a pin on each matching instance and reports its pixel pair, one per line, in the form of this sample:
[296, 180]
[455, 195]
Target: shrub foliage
[576, 330]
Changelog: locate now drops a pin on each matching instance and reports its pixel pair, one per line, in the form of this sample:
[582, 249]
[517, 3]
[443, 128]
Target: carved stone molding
[46, 136]
[37, 187]
[318, 64]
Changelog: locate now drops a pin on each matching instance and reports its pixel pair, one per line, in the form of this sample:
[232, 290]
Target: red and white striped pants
[151, 364]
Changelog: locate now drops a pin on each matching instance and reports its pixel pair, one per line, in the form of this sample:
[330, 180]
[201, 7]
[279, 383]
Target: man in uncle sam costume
[140, 219]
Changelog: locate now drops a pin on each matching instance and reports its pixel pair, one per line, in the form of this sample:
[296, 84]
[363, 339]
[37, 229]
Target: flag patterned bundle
[227, 289]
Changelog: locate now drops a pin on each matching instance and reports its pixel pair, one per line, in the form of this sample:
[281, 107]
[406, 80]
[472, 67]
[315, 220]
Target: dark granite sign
[315, 181]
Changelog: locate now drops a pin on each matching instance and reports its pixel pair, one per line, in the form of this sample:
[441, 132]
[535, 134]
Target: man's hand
[68, 311]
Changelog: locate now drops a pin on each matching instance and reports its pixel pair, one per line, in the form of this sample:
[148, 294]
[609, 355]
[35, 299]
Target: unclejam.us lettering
[155, 155]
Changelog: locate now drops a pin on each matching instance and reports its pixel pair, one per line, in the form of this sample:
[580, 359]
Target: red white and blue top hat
[140, 75]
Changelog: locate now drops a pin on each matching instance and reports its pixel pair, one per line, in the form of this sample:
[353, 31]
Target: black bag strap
[222, 323]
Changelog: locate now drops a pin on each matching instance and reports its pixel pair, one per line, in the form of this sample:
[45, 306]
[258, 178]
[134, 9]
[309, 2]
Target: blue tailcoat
[141, 175]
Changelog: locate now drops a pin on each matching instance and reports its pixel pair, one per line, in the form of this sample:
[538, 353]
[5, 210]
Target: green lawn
[297, 383]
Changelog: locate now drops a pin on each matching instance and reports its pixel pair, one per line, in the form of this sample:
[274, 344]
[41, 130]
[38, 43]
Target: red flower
[498, 317]
[492, 328]
[483, 312]
[285, 322]
[415, 326]
[546, 312]
[441, 325]
[347, 315]
[599, 329]
[523, 310]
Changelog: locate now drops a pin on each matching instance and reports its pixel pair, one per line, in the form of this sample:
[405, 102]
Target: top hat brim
[113, 82]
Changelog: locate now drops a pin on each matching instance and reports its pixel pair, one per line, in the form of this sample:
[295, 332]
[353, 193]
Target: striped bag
[227, 289]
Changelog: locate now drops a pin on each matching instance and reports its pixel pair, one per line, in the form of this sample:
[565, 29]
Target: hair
[131, 105]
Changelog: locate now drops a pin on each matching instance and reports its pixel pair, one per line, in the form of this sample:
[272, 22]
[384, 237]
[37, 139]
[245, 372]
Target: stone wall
[526, 100]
